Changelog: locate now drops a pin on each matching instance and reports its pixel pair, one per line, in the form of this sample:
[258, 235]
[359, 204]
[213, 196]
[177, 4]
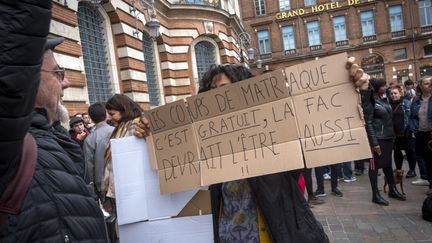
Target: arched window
[95, 57]
[373, 65]
[149, 61]
[205, 57]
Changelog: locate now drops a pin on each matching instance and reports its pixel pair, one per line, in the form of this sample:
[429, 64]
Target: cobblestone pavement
[354, 218]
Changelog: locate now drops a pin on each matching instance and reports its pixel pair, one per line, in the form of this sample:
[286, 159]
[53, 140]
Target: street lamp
[153, 24]
[246, 40]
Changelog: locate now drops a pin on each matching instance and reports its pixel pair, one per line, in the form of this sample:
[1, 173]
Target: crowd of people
[54, 182]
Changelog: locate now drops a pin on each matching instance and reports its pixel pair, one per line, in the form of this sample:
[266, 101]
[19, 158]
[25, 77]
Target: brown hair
[126, 106]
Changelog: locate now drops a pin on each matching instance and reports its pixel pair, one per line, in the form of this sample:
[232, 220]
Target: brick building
[109, 48]
[391, 39]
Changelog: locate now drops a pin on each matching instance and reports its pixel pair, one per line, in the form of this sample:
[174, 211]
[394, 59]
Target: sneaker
[337, 192]
[420, 182]
[410, 174]
[352, 179]
[313, 200]
[327, 176]
[319, 193]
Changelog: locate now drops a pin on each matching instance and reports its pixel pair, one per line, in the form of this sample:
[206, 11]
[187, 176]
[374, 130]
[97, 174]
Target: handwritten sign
[175, 147]
[326, 106]
[248, 129]
[303, 115]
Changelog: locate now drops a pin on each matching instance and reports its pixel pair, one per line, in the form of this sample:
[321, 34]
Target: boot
[376, 197]
[394, 193]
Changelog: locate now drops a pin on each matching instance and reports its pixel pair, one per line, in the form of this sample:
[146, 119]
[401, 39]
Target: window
[288, 37]
[264, 41]
[400, 54]
[149, 61]
[259, 7]
[284, 5]
[310, 2]
[94, 53]
[425, 12]
[313, 33]
[368, 23]
[396, 20]
[428, 50]
[205, 57]
[339, 28]
[373, 64]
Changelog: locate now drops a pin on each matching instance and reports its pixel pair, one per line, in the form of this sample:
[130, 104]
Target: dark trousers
[406, 144]
[423, 144]
[319, 174]
[307, 175]
[359, 164]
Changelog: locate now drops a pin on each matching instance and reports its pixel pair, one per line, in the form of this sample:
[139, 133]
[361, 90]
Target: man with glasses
[43, 196]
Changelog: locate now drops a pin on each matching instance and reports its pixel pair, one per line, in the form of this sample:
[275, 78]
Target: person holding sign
[379, 127]
[261, 209]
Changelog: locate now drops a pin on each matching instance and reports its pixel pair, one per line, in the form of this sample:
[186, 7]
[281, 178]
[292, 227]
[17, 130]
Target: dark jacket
[415, 107]
[58, 207]
[284, 209]
[24, 26]
[378, 117]
[403, 106]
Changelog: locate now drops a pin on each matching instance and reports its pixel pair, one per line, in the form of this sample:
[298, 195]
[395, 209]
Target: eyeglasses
[60, 72]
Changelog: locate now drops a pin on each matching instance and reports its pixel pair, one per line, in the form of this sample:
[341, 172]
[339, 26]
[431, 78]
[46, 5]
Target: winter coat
[24, 26]
[378, 117]
[58, 207]
[415, 107]
[284, 209]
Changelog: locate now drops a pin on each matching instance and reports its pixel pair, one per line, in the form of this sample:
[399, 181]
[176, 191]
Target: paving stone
[339, 235]
[336, 227]
[342, 241]
[399, 232]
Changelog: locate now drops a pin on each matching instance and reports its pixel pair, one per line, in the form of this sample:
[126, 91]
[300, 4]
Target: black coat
[378, 117]
[24, 26]
[58, 206]
[284, 209]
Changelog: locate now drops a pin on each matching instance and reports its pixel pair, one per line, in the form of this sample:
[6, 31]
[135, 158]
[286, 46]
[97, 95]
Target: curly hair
[234, 73]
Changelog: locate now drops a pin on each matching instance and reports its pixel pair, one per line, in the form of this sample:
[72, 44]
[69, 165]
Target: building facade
[391, 39]
[109, 47]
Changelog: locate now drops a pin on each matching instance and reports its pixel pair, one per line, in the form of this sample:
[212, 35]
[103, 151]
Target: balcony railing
[399, 33]
[290, 52]
[315, 47]
[369, 38]
[266, 56]
[342, 43]
[426, 29]
[212, 3]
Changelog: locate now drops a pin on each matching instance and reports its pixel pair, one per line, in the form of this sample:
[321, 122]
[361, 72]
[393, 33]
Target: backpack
[427, 209]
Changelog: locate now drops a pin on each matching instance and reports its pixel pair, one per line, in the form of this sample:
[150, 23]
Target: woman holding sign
[266, 208]
[261, 209]
[379, 127]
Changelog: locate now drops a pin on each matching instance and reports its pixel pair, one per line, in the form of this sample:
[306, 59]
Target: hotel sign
[318, 8]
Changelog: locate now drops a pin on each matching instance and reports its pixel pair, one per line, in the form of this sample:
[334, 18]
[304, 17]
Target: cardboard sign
[246, 129]
[267, 124]
[175, 148]
[326, 105]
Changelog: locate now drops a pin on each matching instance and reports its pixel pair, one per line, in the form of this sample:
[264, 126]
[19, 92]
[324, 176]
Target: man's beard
[62, 114]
